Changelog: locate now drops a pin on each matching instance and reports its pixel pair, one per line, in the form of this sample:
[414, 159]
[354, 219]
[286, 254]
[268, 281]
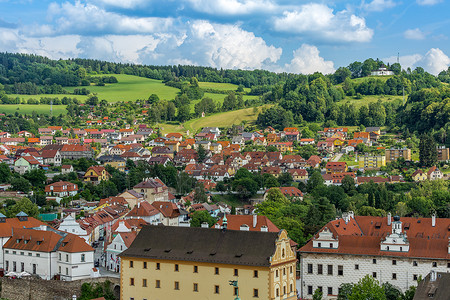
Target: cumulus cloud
[320, 22]
[414, 34]
[88, 19]
[307, 60]
[232, 7]
[228, 46]
[434, 61]
[428, 2]
[128, 4]
[379, 5]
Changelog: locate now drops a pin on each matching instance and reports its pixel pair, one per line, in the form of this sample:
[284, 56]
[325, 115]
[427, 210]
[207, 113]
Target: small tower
[224, 222]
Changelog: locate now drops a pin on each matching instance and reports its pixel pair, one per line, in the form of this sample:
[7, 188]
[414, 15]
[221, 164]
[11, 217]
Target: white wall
[45, 262]
[384, 268]
[72, 267]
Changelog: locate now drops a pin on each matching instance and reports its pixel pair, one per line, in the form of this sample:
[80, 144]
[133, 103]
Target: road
[337, 157]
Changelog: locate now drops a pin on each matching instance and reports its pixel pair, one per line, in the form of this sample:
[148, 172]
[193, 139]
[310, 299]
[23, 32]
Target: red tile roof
[234, 222]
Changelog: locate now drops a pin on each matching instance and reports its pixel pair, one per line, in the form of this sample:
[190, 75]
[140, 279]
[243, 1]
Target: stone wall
[38, 289]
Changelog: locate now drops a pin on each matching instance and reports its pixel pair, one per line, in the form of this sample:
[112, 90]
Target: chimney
[139, 204]
[433, 220]
[264, 228]
[255, 220]
[389, 218]
[205, 225]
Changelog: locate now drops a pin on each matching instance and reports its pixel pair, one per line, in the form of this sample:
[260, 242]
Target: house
[260, 141]
[51, 157]
[329, 132]
[364, 136]
[283, 147]
[21, 220]
[117, 162]
[324, 146]
[275, 171]
[69, 224]
[96, 174]
[46, 140]
[419, 175]
[62, 140]
[434, 173]
[152, 189]
[303, 142]
[395, 153]
[299, 174]
[187, 253]
[65, 169]
[247, 223]
[175, 136]
[371, 162]
[121, 242]
[12, 141]
[382, 71]
[443, 153]
[336, 178]
[171, 215]
[49, 252]
[436, 286]
[393, 250]
[132, 197]
[5, 134]
[61, 189]
[26, 163]
[291, 193]
[162, 150]
[336, 167]
[24, 133]
[144, 211]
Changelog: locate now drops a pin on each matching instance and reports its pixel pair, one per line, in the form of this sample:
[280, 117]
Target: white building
[120, 243]
[69, 224]
[382, 71]
[47, 252]
[398, 252]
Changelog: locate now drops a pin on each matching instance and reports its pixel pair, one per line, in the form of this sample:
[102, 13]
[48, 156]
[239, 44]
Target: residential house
[96, 174]
[65, 169]
[365, 136]
[434, 173]
[371, 162]
[419, 175]
[336, 178]
[247, 223]
[162, 150]
[299, 175]
[69, 224]
[175, 136]
[12, 141]
[290, 192]
[132, 197]
[152, 189]
[394, 154]
[26, 163]
[51, 157]
[336, 167]
[323, 146]
[61, 189]
[283, 147]
[303, 142]
[443, 153]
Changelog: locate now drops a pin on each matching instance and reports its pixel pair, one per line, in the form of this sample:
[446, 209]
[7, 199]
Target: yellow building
[95, 174]
[394, 154]
[372, 162]
[166, 262]
[118, 164]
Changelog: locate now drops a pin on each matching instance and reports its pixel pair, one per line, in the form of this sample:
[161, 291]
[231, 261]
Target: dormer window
[17, 241]
[39, 242]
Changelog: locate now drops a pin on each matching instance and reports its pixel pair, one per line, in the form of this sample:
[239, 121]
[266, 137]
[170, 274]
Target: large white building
[69, 224]
[398, 251]
[48, 253]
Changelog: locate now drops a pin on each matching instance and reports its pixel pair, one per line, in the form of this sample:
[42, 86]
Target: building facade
[398, 251]
[394, 154]
[199, 263]
[371, 162]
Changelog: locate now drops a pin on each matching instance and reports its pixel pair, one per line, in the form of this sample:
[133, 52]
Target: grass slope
[131, 88]
[220, 86]
[29, 108]
[369, 99]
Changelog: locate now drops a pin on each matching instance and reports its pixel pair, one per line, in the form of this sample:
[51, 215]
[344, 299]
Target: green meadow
[369, 99]
[29, 108]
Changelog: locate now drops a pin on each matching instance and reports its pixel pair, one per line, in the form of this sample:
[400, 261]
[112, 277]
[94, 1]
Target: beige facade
[394, 154]
[371, 162]
[159, 279]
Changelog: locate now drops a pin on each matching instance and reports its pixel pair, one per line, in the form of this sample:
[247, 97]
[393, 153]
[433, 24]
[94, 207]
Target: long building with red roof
[398, 251]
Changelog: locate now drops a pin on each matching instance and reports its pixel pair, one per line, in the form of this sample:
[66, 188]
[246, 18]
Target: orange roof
[33, 140]
[174, 134]
[365, 135]
[234, 222]
[224, 144]
[10, 223]
[290, 129]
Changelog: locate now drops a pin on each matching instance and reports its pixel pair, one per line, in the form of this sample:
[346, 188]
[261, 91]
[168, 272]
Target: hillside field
[29, 108]
[369, 99]
[220, 86]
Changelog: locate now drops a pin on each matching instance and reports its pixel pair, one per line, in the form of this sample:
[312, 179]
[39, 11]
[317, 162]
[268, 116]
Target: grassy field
[382, 78]
[220, 86]
[369, 99]
[37, 97]
[131, 88]
[29, 108]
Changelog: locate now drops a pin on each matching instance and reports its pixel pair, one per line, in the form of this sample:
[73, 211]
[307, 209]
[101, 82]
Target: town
[171, 214]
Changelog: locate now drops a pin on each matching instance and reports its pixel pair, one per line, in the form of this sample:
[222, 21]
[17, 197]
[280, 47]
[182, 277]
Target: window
[216, 271]
[236, 272]
[255, 273]
[14, 266]
[374, 261]
[310, 268]
[276, 273]
[22, 253]
[434, 264]
[356, 267]
[7, 265]
[67, 257]
[34, 268]
[331, 245]
[284, 290]
[145, 265]
[341, 270]
[235, 291]
[158, 266]
[131, 281]
[59, 269]
[284, 271]
[374, 274]
[176, 268]
[131, 264]
[278, 292]
[448, 265]
[291, 269]
[330, 290]
[22, 267]
[195, 269]
[38, 255]
[319, 245]
[394, 262]
[310, 290]
[158, 284]
[6, 251]
[216, 289]
[30, 254]
[59, 256]
[290, 288]
[255, 293]
[67, 271]
[415, 277]
[394, 276]
[83, 256]
[195, 287]
[320, 269]
[144, 282]
[176, 285]
[320, 289]
[330, 269]
[414, 263]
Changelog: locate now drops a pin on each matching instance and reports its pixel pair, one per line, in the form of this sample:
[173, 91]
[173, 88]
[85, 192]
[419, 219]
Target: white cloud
[129, 4]
[88, 19]
[428, 2]
[307, 60]
[233, 7]
[319, 22]
[414, 34]
[379, 5]
[228, 46]
[434, 61]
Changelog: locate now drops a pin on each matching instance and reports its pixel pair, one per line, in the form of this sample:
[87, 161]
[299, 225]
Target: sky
[282, 36]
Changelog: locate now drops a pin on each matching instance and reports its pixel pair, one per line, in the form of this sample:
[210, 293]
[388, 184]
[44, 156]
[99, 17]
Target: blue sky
[285, 35]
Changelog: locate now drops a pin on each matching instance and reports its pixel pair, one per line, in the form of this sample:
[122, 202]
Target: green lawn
[220, 86]
[369, 99]
[29, 108]
[81, 98]
[131, 88]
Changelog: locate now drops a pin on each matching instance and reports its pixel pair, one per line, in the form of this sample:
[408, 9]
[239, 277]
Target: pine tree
[427, 151]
